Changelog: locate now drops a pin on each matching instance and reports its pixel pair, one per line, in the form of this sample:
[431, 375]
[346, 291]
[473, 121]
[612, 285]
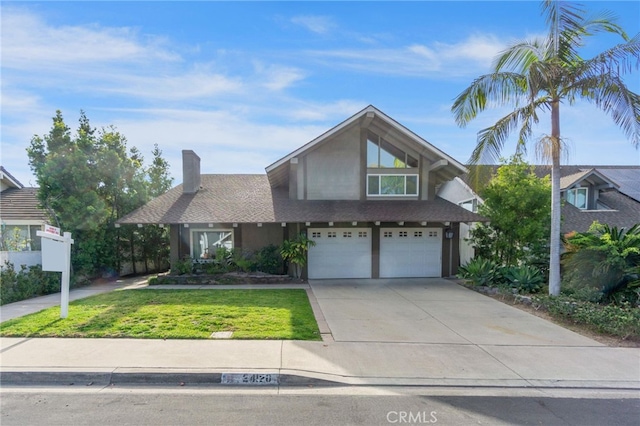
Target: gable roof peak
[6, 176]
[365, 112]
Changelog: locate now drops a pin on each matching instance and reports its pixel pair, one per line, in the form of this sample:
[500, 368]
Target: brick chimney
[190, 172]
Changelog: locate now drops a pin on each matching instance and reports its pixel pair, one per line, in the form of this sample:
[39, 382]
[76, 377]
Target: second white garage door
[340, 253]
[410, 252]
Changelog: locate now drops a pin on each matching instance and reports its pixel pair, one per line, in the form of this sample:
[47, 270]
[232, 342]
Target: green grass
[176, 314]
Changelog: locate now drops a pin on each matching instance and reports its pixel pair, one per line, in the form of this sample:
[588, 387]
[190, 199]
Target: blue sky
[245, 83]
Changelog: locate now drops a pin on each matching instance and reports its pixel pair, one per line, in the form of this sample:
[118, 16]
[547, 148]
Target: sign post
[56, 256]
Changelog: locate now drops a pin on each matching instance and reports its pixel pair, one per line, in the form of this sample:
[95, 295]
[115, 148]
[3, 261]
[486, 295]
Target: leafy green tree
[517, 203]
[155, 240]
[86, 182]
[537, 76]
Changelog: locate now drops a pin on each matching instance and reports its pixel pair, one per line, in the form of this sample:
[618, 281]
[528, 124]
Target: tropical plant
[605, 258]
[537, 76]
[526, 279]
[295, 251]
[481, 272]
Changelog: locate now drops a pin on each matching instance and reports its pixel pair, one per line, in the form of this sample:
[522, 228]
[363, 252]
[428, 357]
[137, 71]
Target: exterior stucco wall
[333, 170]
[254, 238]
[455, 192]
[17, 258]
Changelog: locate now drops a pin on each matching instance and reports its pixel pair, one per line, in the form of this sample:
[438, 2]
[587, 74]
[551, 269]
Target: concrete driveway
[430, 310]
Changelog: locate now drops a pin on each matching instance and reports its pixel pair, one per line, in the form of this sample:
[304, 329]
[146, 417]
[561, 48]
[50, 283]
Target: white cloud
[276, 77]
[227, 141]
[437, 60]
[314, 23]
[28, 42]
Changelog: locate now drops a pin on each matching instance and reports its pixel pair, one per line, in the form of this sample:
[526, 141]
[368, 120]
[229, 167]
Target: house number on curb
[249, 379]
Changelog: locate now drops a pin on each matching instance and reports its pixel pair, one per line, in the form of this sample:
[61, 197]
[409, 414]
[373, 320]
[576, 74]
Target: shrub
[26, 283]
[526, 279]
[481, 272]
[269, 260]
[622, 321]
[224, 258]
[182, 266]
[604, 258]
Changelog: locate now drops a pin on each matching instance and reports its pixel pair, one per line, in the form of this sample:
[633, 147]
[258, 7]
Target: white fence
[18, 258]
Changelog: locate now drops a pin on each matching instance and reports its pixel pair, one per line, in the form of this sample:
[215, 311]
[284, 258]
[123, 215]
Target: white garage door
[340, 253]
[410, 252]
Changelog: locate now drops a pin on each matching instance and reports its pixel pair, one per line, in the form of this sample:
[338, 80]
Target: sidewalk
[29, 306]
[100, 362]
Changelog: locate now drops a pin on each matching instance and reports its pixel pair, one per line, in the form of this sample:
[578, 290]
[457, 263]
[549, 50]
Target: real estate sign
[56, 257]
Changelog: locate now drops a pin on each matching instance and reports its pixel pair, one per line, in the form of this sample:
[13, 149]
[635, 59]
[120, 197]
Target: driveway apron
[430, 310]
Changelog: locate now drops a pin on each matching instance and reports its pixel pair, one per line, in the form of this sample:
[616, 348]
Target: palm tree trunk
[554, 240]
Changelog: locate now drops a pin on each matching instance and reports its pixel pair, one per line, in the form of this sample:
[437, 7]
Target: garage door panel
[410, 252]
[340, 253]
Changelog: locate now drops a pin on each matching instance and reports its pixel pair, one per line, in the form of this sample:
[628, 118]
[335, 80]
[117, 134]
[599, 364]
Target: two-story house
[364, 192]
[607, 194]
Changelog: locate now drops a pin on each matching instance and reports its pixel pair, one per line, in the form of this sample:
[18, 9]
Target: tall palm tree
[537, 76]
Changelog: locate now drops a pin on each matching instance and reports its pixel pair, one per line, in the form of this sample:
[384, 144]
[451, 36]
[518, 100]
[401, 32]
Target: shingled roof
[625, 212]
[241, 198]
[20, 204]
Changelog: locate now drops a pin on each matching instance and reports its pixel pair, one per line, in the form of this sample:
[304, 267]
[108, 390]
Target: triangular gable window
[381, 154]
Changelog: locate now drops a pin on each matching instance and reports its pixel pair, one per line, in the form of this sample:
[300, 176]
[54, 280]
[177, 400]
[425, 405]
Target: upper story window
[381, 154]
[578, 197]
[471, 205]
[392, 185]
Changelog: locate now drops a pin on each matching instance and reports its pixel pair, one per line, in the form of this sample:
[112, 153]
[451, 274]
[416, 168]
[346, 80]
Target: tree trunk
[556, 214]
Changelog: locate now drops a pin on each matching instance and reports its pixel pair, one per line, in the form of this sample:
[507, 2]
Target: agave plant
[480, 272]
[527, 279]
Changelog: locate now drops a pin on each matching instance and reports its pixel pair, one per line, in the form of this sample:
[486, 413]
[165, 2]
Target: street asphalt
[400, 332]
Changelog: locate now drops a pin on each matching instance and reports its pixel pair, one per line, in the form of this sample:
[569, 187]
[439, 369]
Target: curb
[72, 378]
[215, 379]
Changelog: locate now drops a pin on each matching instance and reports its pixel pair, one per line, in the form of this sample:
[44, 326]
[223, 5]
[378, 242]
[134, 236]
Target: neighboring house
[364, 191]
[607, 194]
[20, 219]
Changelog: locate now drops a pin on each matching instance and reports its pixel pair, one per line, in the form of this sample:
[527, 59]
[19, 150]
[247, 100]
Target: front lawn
[176, 314]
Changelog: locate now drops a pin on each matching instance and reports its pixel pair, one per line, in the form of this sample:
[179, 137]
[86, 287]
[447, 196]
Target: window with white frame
[204, 243]
[382, 154]
[20, 237]
[471, 205]
[392, 185]
[578, 197]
